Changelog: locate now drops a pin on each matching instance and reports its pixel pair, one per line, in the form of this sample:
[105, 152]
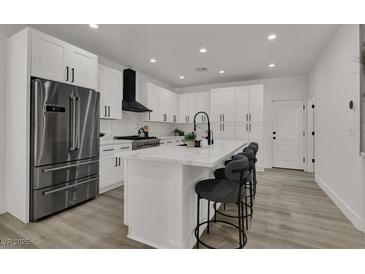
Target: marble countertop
[205, 157]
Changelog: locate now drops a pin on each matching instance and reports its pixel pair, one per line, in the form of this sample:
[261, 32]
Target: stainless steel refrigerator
[64, 164]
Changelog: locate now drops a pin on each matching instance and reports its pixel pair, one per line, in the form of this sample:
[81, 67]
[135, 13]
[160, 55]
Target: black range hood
[129, 102]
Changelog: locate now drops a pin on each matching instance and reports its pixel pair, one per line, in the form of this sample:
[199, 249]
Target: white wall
[2, 122]
[335, 80]
[132, 121]
[284, 88]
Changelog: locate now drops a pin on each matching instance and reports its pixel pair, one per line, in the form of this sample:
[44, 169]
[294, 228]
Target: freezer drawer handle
[67, 187]
[69, 166]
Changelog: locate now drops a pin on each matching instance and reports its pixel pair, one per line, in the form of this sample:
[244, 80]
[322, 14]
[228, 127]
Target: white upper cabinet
[153, 102]
[173, 108]
[49, 57]
[222, 107]
[84, 68]
[163, 104]
[110, 86]
[187, 108]
[165, 101]
[56, 60]
[250, 104]
[202, 103]
[242, 112]
[256, 104]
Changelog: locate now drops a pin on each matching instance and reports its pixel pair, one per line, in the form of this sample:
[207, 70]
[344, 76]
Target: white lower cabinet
[112, 166]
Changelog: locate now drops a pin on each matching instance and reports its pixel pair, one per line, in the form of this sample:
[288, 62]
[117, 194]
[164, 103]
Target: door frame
[304, 128]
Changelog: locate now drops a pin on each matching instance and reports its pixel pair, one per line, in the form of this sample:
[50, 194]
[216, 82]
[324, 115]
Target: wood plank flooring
[290, 211]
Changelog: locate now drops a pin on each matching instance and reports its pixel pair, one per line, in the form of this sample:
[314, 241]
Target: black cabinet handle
[108, 111]
[105, 111]
[119, 161]
[67, 74]
[73, 75]
[116, 161]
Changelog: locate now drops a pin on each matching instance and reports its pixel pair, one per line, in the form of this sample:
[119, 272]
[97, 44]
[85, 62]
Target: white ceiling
[242, 51]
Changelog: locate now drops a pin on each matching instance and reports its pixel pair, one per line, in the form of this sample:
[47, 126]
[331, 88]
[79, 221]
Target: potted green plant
[177, 131]
[190, 139]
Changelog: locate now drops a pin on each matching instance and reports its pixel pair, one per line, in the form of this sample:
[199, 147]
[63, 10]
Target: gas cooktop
[135, 137]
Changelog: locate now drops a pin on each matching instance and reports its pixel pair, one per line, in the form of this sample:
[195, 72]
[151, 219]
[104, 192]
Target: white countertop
[205, 157]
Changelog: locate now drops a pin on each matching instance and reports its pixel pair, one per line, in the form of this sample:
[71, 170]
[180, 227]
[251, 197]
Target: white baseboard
[353, 217]
[111, 187]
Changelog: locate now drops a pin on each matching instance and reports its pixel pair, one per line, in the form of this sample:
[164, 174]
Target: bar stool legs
[208, 217]
[240, 227]
[198, 221]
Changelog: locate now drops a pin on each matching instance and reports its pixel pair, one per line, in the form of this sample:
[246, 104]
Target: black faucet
[210, 132]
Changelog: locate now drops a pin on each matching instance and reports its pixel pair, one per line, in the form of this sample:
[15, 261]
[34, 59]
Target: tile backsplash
[131, 123]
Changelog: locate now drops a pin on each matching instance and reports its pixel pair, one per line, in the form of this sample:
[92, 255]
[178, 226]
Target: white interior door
[287, 135]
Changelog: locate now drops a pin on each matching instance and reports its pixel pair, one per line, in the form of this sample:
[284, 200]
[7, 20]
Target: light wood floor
[291, 211]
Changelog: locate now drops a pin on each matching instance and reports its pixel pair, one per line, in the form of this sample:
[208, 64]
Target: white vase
[190, 143]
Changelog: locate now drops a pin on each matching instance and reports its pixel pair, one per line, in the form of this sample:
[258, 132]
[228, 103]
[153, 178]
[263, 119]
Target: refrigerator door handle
[72, 122]
[47, 170]
[77, 123]
[70, 186]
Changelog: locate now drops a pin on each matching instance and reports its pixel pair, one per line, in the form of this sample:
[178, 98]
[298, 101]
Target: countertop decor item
[178, 132]
[190, 139]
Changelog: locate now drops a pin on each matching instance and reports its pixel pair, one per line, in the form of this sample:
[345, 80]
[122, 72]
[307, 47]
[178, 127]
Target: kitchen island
[159, 195]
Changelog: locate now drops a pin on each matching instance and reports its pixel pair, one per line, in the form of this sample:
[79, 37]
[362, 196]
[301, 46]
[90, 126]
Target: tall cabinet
[110, 86]
[238, 113]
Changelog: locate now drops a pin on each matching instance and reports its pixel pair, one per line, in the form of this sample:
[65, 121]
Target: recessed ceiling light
[181, 77]
[221, 71]
[153, 60]
[272, 36]
[272, 65]
[203, 50]
[94, 26]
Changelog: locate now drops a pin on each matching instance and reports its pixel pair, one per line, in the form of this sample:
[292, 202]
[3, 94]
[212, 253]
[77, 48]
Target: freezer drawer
[53, 199]
[53, 175]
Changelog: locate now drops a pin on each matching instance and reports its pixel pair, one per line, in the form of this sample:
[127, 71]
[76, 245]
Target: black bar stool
[255, 147]
[248, 203]
[228, 190]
